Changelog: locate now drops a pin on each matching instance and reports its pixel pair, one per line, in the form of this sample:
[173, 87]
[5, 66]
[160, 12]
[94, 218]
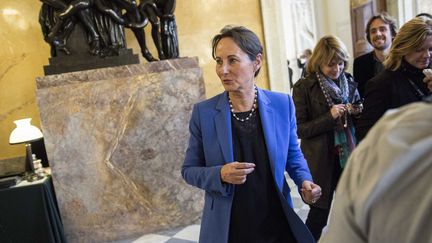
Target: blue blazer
[211, 146]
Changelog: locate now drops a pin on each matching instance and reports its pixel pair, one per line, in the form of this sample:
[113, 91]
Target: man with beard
[380, 31]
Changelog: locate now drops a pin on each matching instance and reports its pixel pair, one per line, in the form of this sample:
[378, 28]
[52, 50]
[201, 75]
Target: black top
[365, 68]
[388, 90]
[256, 213]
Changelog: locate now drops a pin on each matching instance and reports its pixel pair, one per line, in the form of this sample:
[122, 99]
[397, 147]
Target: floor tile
[152, 238]
[174, 240]
[189, 233]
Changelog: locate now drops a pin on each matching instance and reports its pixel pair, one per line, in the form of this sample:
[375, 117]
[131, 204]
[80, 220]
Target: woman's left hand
[311, 192]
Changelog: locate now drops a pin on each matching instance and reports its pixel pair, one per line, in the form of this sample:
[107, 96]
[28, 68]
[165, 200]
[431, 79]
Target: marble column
[115, 139]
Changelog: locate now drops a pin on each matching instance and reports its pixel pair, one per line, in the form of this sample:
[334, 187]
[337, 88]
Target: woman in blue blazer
[241, 143]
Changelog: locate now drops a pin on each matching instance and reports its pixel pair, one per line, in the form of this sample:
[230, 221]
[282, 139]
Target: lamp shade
[24, 132]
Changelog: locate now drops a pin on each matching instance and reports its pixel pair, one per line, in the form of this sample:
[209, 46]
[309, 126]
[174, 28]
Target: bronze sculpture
[103, 22]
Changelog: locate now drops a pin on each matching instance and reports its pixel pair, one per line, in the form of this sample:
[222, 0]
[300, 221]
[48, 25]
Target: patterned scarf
[344, 134]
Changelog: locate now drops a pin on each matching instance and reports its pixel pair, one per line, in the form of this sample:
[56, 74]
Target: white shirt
[385, 194]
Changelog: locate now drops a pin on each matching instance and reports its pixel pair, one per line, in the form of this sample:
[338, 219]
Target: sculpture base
[66, 64]
[80, 59]
[116, 139]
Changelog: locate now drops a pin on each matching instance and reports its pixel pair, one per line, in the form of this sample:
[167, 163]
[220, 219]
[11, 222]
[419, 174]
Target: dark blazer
[302, 66]
[211, 146]
[388, 90]
[316, 128]
[290, 75]
[364, 70]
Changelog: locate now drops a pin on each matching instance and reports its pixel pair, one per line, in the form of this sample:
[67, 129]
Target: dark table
[29, 213]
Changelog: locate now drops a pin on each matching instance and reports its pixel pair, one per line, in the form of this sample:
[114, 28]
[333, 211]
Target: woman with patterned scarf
[326, 102]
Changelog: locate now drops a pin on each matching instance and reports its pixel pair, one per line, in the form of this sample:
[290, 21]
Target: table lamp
[26, 133]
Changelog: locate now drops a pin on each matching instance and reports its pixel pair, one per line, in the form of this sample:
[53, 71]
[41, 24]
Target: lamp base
[31, 176]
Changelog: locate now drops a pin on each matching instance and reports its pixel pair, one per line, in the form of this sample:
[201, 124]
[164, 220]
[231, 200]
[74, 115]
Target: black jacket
[364, 70]
[388, 90]
[315, 128]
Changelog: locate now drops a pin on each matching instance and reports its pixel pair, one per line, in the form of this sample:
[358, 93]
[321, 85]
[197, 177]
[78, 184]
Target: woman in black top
[402, 82]
[241, 143]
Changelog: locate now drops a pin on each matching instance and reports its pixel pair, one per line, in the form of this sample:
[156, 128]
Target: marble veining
[116, 139]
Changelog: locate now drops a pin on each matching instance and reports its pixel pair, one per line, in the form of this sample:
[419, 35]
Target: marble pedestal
[115, 139]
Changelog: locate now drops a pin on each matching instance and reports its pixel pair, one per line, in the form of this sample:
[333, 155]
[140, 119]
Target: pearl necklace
[251, 112]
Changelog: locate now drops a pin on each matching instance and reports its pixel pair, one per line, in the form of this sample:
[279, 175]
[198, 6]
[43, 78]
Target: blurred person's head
[424, 15]
[307, 53]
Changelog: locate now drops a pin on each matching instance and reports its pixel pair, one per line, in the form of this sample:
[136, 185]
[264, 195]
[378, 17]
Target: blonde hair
[411, 36]
[327, 49]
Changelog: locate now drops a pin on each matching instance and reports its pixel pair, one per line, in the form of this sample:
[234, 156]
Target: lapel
[223, 127]
[269, 126]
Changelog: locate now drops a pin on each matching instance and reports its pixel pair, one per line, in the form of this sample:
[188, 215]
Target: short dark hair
[424, 15]
[386, 18]
[246, 39]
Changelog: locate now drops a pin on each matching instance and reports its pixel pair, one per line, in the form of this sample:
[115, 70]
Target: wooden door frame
[377, 7]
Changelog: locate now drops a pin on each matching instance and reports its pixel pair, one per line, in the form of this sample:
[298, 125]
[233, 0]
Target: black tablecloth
[30, 214]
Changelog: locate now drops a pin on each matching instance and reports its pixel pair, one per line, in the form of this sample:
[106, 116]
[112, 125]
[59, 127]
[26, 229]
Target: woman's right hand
[338, 110]
[428, 80]
[236, 172]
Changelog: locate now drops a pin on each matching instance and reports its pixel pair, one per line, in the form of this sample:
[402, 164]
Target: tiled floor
[190, 234]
